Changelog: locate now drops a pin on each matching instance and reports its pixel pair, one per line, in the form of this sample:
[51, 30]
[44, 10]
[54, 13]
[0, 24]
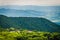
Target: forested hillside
[14, 34]
[29, 23]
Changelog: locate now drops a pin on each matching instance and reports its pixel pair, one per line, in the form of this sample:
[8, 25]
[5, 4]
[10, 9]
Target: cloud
[30, 2]
[55, 20]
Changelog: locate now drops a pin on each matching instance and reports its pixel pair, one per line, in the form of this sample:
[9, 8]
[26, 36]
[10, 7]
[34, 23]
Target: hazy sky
[49, 14]
[30, 2]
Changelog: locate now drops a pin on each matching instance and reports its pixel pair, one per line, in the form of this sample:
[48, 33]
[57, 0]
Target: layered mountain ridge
[29, 23]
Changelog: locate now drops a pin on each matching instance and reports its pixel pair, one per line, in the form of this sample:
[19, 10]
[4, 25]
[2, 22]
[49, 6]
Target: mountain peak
[3, 16]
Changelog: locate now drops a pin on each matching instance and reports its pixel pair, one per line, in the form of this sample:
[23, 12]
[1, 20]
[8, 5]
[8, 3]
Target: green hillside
[28, 35]
[29, 23]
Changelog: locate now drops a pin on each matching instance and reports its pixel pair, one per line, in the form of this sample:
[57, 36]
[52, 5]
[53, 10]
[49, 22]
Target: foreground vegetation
[11, 34]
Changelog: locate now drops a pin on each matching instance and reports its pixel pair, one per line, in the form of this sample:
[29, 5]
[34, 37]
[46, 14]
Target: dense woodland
[28, 28]
[29, 23]
[15, 34]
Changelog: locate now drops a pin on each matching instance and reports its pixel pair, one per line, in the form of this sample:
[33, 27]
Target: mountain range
[50, 12]
[29, 23]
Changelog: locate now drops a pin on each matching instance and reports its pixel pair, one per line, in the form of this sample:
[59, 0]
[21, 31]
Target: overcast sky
[52, 14]
[31, 2]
